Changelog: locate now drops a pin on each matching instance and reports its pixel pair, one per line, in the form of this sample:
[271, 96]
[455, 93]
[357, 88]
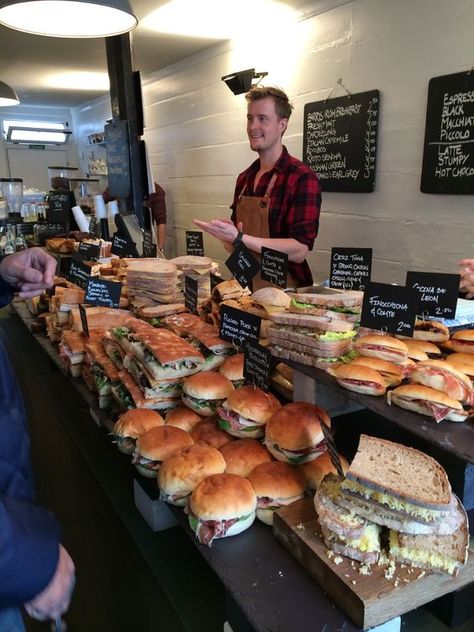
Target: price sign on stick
[437, 293]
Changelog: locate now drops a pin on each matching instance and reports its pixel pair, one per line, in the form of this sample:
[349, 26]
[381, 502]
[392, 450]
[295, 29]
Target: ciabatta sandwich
[463, 341]
[427, 401]
[421, 350]
[430, 330]
[392, 373]
[360, 379]
[462, 362]
[383, 347]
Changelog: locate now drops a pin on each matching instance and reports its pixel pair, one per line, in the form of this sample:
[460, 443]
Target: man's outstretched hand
[29, 271]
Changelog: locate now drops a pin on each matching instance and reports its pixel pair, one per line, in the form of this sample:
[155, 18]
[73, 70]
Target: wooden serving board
[368, 600]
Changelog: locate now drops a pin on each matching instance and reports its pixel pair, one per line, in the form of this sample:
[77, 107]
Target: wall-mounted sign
[350, 268]
[437, 293]
[448, 157]
[390, 308]
[340, 141]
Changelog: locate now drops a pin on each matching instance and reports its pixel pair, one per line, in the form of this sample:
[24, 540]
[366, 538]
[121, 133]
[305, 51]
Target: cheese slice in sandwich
[398, 479]
[439, 553]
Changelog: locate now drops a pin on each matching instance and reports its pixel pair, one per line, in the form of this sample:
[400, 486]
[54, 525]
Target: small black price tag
[274, 267]
[104, 293]
[123, 248]
[350, 268]
[79, 273]
[194, 243]
[88, 251]
[83, 315]
[437, 293]
[238, 327]
[257, 365]
[191, 294]
[243, 265]
[149, 248]
[94, 227]
[331, 445]
[390, 308]
[215, 280]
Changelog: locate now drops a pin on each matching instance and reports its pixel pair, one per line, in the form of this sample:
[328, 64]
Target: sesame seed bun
[243, 455]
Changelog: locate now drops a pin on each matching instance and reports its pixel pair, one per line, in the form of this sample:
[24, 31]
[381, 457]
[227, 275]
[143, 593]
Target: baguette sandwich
[392, 373]
[427, 401]
[101, 371]
[383, 347]
[443, 377]
[360, 379]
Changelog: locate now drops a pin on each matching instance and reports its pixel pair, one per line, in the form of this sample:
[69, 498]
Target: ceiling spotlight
[240, 82]
[8, 96]
[68, 18]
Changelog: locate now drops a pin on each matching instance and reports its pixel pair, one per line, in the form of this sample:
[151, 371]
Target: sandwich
[400, 488]
[283, 377]
[242, 455]
[443, 377]
[131, 425]
[205, 392]
[102, 371]
[443, 554]
[154, 314]
[113, 350]
[392, 373]
[246, 411]
[275, 485]
[167, 388]
[462, 362]
[430, 330]
[152, 280]
[156, 445]
[182, 417]
[314, 471]
[181, 472]
[427, 401]
[221, 505]
[360, 379]
[421, 350]
[345, 532]
[233, 369]
[383, 347]
[340, 305]
[207, 431]
[267, 301]
[293, 434]
[128, 395]
[313, 340]
[98, 318]
[189, 263]
[72, 351]
[463, 341]
[228, 290]
[162, 353]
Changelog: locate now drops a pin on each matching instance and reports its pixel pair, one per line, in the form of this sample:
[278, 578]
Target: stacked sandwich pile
[154, 362]
[391, 487]
[228, 292]
[151, 281]
[98, 372]
[263, 303]
[60, 306]
[198, 268]
[318, 330]
[72, 350]
[203, 336]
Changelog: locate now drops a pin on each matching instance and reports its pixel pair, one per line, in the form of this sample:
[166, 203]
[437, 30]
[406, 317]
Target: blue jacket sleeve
[6, 293]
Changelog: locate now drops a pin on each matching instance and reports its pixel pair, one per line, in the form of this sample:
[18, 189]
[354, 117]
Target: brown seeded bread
[403, 472]
[316, 322]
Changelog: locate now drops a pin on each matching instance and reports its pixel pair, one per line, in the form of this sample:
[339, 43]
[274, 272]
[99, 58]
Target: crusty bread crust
[400, 471]
[419, 391]
[223, 497]
[331, 541]
[334, 516]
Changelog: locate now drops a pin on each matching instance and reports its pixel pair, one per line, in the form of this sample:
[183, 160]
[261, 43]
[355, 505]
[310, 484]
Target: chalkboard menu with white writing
[350, 268]
[79, 273]
[257, 365]
[88, 251]
[60, 204]
[437, 293]
[238, 327]
[448, 158]
[274, 267]
[390, 308]
[340, 141]
[118, 158]
[243, 265]
[194, 243]
[123, 248]
[103, 293]
[191, 294]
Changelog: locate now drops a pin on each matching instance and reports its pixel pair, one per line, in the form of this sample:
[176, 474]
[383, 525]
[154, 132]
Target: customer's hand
[29, 271]
[54, 600]
[467, 276]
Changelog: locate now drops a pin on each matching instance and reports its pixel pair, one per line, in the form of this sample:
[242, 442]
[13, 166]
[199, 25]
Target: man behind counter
[277, 199]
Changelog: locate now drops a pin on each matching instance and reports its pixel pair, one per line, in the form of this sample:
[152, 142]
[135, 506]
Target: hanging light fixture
[8, 96]
[68, 18]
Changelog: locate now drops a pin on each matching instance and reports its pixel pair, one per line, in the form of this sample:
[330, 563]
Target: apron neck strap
[268, 190]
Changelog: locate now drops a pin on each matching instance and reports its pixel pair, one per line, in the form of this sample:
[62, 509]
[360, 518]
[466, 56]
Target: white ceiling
[26, 59]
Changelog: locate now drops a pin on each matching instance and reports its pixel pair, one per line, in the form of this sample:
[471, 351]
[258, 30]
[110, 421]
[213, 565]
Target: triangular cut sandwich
[399, 487]
[344, 532]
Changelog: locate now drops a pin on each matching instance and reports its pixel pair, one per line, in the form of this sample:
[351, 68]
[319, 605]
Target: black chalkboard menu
[79, 273]
[437, 293]
[340, 141]
[238, 327]
[257, 365]
[350, 268]
[60, 204]
[194, 243]
[243, 265]
[274, 267]
[104, 293]
[390, 308]
[191, 294]
[118, 158]
[448, 157]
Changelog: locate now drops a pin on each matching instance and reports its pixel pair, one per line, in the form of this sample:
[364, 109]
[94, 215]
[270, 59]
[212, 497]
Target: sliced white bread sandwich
[427, 401]
[399, 487]
[345, 532]
[439, 553]
[342, 305]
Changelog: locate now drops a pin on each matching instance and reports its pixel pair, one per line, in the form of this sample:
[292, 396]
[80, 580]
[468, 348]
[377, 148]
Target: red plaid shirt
[295, 204]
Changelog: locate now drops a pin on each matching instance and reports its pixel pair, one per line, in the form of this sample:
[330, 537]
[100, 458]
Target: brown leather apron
[252, 212]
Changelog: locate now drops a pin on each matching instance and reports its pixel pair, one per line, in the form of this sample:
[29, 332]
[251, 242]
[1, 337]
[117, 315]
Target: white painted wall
[195, 127]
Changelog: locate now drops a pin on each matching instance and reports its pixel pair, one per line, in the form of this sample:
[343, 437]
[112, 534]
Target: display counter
[129, 577]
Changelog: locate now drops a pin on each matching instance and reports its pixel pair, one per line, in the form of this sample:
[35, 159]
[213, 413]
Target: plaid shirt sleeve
[302, 218]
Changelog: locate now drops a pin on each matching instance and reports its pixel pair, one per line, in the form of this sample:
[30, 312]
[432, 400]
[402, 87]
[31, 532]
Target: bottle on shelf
[11, 240]
[20, 242]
